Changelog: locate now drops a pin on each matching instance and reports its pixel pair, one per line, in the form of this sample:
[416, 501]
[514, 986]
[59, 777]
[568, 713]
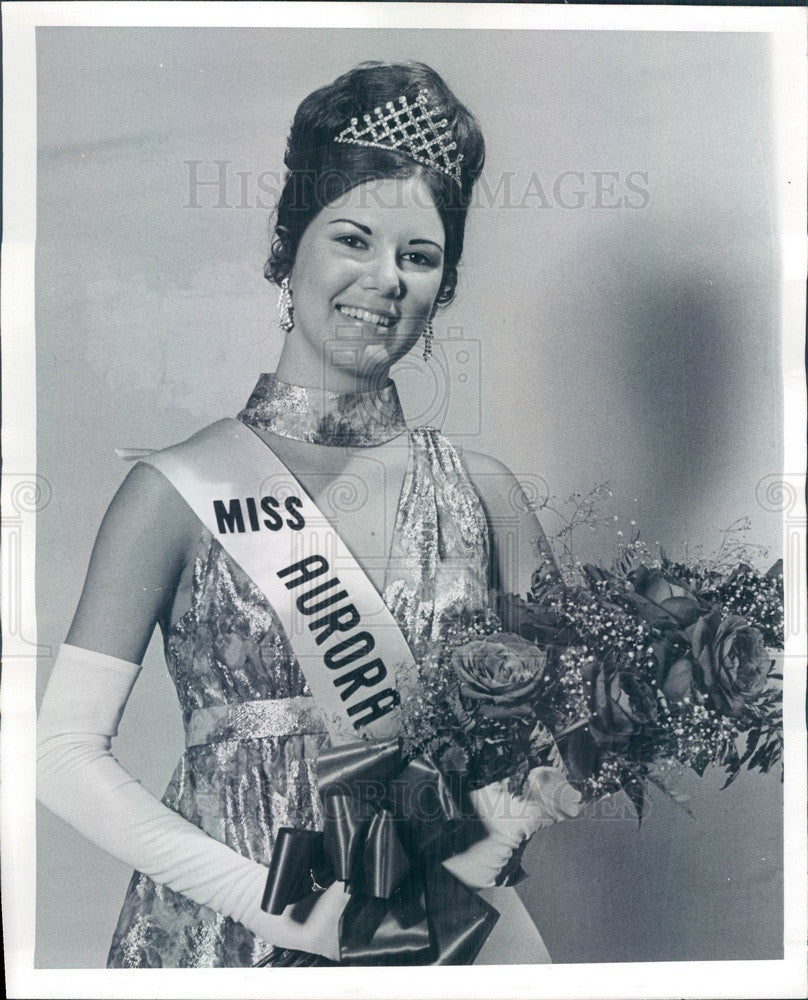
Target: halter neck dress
[253, 732]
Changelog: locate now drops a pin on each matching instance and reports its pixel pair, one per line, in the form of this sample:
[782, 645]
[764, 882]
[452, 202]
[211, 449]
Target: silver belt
[254, 720]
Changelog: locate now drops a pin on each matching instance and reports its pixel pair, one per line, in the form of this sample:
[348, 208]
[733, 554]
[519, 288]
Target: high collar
[355, 419]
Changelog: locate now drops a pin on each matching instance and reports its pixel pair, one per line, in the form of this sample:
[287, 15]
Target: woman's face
[366, 275]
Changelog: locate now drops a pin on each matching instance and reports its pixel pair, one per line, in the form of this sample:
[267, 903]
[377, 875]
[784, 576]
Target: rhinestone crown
[411, 129]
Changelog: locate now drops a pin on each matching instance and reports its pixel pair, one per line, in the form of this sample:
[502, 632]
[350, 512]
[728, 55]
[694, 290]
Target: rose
[653, 584]
[680, 681]
[732, 658]
[673, 597]
[678, 675]
[501, 672]
[620, 703]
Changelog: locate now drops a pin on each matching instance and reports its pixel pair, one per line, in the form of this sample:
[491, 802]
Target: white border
[248, 13]
[785, 978]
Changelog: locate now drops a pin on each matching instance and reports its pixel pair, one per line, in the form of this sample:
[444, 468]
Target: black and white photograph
[492, 651]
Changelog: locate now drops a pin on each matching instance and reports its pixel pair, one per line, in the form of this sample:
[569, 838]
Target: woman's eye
[421, 259]
[349, 240]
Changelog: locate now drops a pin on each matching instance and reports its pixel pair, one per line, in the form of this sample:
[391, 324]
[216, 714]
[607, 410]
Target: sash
[348, 644]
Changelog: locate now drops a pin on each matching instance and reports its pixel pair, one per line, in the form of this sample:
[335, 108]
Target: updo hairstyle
[320, 170]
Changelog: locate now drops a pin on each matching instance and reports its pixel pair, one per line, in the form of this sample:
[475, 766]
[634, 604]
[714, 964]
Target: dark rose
[499, 671]
[673, 597]
[732, 658]
[680, 681]
[653, 584]
[678, 674]
[620, 703]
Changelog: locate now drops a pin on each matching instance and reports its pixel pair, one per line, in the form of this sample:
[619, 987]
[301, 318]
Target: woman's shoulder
[205, 443]
[158, 475]
[495, 484]
[482, 463]
[476, 459]
[142, 546]
[148, 500]
[490, 475]
[148, 510]
[511, 504]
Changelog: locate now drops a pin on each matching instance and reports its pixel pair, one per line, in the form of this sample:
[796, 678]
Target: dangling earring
[285, 306]
[429, 333]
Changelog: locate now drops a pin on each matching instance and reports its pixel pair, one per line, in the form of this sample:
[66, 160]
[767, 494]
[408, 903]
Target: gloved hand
[509, 820]
[81, 781]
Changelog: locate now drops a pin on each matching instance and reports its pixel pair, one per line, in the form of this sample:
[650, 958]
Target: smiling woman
[368, 235]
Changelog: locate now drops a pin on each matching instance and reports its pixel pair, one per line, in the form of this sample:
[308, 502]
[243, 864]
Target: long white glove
[510, 819]
[80, 780]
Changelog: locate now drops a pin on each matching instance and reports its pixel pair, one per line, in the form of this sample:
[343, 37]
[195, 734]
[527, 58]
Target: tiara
[411, 129]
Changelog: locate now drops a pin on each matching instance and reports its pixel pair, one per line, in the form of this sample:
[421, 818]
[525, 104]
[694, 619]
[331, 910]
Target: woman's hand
[511, 819]
[548, 798]
[311, 925]
[81, 781]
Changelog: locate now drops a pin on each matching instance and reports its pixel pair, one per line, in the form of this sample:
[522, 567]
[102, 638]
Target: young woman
[369, 232]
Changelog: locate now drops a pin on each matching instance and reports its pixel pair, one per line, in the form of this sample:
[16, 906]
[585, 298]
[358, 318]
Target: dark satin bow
[387, 828]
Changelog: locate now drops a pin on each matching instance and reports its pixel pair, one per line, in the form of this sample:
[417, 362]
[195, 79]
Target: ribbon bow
[387, 828]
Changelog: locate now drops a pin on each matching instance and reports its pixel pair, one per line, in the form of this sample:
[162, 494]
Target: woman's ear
[445, 294]
[282, 235]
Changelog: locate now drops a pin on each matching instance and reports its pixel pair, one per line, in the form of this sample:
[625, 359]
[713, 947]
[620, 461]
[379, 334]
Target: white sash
[347, 642]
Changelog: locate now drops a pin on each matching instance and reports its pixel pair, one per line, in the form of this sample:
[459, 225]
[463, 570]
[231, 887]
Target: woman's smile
[365, 316]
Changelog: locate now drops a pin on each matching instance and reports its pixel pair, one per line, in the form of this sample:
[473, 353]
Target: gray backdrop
[616, 319]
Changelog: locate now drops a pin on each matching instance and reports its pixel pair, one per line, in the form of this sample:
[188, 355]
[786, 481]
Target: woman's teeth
[365, 316]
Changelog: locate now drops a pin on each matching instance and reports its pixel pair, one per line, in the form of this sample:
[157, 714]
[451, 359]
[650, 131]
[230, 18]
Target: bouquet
[599, 680]
[618, 676]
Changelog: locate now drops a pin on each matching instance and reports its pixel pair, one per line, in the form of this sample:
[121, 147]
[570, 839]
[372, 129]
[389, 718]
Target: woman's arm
[138, 557]
[519, 543]
[139, 554]
[520, 547]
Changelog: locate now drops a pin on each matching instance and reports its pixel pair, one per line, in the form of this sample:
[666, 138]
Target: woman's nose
[386, 278]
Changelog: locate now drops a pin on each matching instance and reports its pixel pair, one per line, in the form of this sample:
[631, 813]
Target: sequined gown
[252, 731]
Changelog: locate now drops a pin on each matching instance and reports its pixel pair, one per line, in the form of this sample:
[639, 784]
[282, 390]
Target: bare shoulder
[494, 481]
[519, 542]
[140, 550]
[147, 502]
[478, 461]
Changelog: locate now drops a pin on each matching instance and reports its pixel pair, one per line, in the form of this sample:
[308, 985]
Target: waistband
[253, 720]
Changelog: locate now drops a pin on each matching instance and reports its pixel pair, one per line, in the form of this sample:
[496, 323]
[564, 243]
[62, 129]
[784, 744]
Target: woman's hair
[319, 170]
